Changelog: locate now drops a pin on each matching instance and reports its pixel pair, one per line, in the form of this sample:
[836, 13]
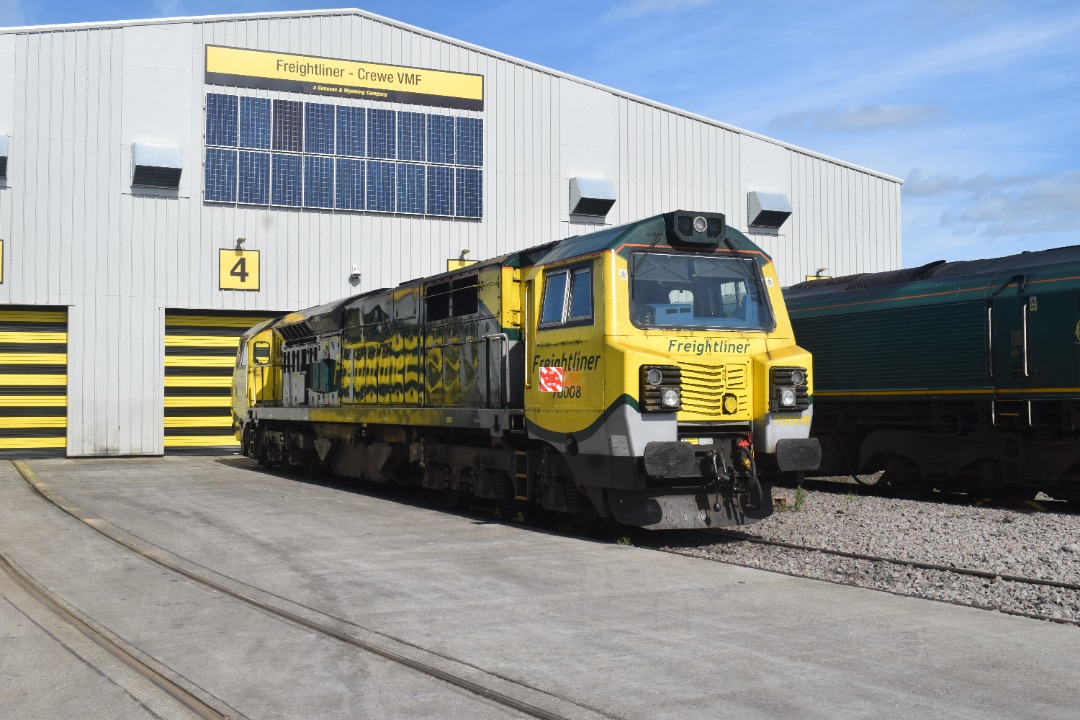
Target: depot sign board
[236, 67]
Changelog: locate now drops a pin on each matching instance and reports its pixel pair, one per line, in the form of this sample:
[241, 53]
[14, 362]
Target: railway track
[200, 707]
[709, 537]
[517, 696]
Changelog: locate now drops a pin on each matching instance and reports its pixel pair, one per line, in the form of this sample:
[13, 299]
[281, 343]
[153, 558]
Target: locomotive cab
[661, 392]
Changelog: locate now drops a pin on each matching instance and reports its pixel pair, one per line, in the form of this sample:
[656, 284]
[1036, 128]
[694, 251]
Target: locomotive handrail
[1024, 326]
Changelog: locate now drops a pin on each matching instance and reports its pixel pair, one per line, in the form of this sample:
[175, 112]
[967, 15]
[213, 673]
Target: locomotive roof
[650, 232]
[989, 272]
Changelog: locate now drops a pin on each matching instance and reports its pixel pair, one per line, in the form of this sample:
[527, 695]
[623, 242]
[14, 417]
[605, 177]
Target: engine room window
[466, 297]
[437, 302]
[681, 291]
[567, 297]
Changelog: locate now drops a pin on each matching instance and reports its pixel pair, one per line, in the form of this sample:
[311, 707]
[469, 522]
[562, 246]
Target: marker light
[671, 398]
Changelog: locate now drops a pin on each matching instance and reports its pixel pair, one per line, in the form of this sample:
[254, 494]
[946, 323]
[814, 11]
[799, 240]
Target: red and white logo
[551, 379]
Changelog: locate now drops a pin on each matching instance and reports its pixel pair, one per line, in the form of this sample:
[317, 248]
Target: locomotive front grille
[704, 388]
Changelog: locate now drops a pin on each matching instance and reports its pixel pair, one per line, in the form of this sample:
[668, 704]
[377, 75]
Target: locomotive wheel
[508, 508]
[312, 468]
[580, 523]
[904, 479]
[452, 498]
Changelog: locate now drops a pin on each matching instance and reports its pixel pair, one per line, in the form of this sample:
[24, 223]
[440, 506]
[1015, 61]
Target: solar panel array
[289, 153]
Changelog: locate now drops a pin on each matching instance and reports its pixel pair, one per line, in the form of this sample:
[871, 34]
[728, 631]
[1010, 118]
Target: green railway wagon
[964, 376]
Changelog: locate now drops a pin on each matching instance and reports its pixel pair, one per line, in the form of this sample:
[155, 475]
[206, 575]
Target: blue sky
[974, 103]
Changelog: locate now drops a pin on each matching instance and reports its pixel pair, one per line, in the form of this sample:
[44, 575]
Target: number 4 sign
[238, 269]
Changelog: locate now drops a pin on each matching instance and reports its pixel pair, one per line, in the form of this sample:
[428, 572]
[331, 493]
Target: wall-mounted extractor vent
[767, 209]
[155, 166]
[3, 155]
[591, 196]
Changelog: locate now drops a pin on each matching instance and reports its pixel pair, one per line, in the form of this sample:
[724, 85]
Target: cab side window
[567, 297]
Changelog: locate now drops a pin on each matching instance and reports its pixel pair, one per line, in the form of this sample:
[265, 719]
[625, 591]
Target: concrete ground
[583, 628]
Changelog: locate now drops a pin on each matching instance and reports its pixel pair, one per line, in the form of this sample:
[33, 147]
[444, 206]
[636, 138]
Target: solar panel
[412, 134]
[411, 188]
[468, 193]
[349, 185]
[221, 119]
[255, 123]
[288, 125]
[350, 131]
[440, 190]
[319, 128]
[470, 141]
[318, 182]
[380, 186]
[286, 179]
[254, 178]
[440, 139]
[423, 184]
[220, 179]
[381, 133]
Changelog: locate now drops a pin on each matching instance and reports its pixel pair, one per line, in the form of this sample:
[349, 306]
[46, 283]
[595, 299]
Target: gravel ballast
[1003, 541]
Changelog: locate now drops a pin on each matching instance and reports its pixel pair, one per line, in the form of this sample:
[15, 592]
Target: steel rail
[735, 535]
[102, 527]
[163, 683]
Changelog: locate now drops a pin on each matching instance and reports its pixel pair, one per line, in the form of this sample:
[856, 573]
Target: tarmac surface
[578, 628]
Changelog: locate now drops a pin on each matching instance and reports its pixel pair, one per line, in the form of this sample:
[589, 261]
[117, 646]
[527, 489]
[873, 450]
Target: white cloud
[982, 216]
[12, 13]
[170, 8]
[865, 117]
[1047, 205]
[637, 8]
[918, 185]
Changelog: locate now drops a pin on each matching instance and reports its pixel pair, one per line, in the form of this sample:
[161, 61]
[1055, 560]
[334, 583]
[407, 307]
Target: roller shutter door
[33, 381]
[200, 351]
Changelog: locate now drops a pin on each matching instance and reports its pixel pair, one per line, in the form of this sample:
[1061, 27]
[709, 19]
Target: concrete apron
[626, 632]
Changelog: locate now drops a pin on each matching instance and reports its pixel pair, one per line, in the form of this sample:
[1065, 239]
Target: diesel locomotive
[964, 376]
[646, 374]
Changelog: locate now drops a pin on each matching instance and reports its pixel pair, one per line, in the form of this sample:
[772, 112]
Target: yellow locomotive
[646, 374]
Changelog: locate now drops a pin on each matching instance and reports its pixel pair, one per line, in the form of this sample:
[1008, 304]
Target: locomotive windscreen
[680, 291]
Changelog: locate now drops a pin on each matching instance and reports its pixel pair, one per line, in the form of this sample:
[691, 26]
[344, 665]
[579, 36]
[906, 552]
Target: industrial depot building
[164, 184]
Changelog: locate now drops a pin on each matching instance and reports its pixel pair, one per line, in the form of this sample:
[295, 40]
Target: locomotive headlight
[788, 389]
[700, 224]
[661, 388]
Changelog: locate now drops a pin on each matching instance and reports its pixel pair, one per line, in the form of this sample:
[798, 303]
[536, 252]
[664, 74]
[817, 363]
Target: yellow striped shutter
[200, 352]
[33, 381]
